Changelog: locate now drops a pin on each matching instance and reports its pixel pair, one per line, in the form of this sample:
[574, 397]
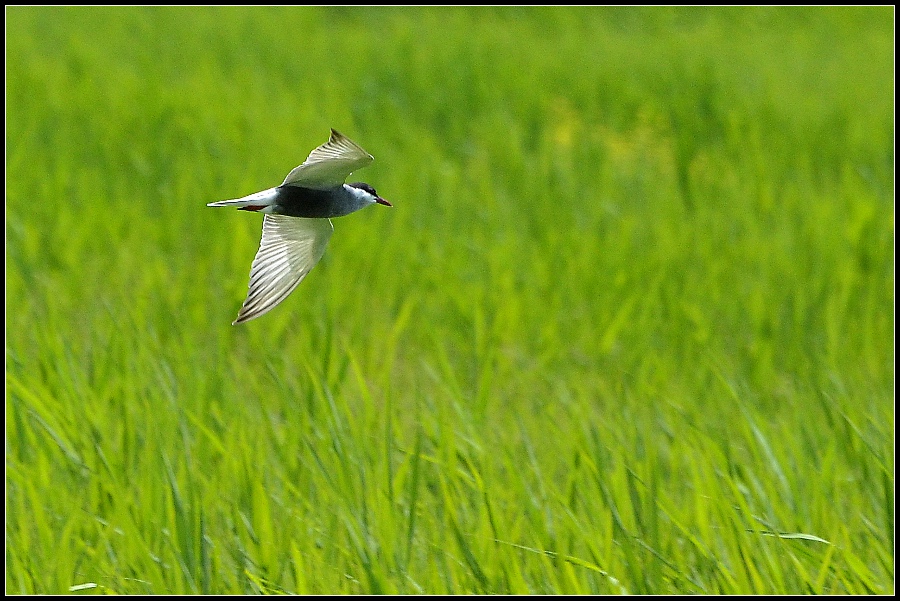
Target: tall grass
[627, 329]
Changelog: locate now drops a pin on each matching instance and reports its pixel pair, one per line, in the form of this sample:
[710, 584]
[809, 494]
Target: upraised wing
[329, 165]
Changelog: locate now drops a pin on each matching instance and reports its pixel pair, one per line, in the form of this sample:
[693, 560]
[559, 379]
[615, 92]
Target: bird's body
[297, 225]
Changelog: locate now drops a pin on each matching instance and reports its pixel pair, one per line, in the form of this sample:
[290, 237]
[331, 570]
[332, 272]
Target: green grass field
[627, 329]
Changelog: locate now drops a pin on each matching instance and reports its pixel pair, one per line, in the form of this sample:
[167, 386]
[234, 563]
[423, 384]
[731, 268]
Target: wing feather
[329, 165]
[290, 247]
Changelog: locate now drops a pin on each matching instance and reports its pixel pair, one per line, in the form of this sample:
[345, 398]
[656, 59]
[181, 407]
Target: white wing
[289, 249]
[329, 165]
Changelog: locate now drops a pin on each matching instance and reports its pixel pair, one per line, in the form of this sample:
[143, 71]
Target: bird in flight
[297, 222]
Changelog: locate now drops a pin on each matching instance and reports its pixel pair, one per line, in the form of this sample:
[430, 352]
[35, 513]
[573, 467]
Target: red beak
[382, 201]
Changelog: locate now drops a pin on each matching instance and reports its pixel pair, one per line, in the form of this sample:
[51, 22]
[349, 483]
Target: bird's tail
[261, 201]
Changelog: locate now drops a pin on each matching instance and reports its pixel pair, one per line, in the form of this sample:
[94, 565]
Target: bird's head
[369, 193]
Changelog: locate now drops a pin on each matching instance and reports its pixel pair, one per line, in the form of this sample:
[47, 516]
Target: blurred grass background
[629, 327]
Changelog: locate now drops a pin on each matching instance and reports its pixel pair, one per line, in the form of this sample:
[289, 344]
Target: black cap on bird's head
[366, 187]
